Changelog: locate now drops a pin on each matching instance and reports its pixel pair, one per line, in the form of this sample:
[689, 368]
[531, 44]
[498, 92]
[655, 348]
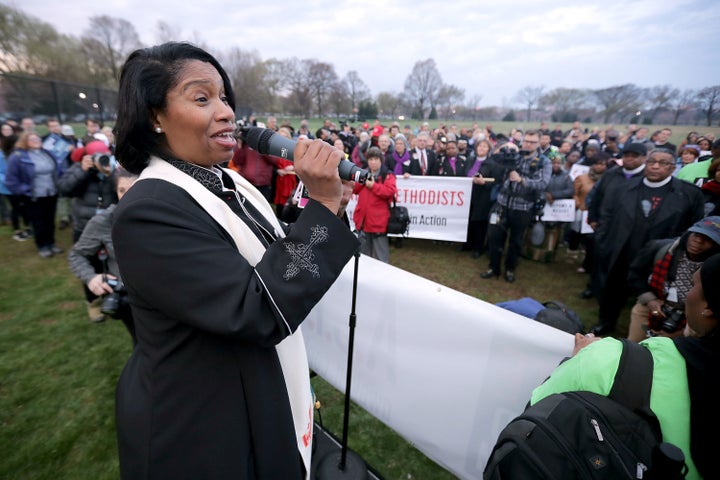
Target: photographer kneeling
[95, 242]
[524, 179]
[661, 276]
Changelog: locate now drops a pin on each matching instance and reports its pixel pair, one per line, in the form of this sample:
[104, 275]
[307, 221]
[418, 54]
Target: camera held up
[507, 158]
[673, 320]
[102, 160]
[115, 303]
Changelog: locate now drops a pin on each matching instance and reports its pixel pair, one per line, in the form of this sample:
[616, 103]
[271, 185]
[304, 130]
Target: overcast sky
[492, 49]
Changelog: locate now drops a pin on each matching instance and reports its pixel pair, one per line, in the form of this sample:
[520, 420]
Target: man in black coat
[633, 165]
[652, 207]
[422, 160]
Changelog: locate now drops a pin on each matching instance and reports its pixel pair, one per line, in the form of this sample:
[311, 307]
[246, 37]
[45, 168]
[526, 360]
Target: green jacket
[593, 369]
[693, 171]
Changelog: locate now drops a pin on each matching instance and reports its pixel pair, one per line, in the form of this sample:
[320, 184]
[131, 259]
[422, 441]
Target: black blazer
[414, 167]
[203, 394]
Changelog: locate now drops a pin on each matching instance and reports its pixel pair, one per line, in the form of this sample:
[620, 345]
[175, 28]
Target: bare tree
[682, 102]
[108, 41]
[166, 32]
[389, 103]
[339, 98]
[658, 99]
[709, 102]
[529, 96]
[245, 69]
[299, 98]
[357, 90]
[620, 100]
[31, 46]
[273, 79]
[321, 77]
[564, 102]
[423, 85]
[449, 97]
[472, 106]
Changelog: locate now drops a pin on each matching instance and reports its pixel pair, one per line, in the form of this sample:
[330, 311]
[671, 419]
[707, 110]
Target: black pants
[18, 210]
[477, 235]
[41, 213]
[588, 240]
[512, 224]
[613, 294]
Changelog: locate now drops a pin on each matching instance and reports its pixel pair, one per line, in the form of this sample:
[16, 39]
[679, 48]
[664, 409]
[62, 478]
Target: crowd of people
[614, 177]
[646, 220]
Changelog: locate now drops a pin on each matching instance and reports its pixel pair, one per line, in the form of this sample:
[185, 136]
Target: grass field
[58, 371]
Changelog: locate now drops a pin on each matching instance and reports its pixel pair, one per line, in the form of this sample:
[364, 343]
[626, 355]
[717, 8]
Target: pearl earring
[158, 129]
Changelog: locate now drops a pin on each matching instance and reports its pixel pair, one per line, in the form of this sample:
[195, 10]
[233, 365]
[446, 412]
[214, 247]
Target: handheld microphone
[267, 142]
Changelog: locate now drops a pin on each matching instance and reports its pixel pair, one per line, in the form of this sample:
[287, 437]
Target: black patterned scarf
[204, 176]
[210, 180]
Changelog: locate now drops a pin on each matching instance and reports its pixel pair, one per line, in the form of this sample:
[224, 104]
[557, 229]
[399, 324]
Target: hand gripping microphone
[267, 142]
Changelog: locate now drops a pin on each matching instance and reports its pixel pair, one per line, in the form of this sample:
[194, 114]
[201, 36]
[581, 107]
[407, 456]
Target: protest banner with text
[439, 207]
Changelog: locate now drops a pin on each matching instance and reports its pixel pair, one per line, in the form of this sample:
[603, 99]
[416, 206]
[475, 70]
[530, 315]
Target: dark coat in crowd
[481, 196]
[682, 207]
[561, 185]
[92, 192]
[611, 180]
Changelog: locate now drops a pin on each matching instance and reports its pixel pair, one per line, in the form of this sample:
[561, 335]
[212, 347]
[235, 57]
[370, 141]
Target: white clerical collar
[659, 184]
[633, 172]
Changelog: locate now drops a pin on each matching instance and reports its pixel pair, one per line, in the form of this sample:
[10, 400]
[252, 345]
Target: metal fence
[40, 98]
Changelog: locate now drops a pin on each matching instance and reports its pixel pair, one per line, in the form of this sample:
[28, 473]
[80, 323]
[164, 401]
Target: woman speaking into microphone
[217, 385]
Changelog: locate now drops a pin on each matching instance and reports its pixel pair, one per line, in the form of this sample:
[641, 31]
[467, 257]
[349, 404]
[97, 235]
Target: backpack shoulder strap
[633, 380]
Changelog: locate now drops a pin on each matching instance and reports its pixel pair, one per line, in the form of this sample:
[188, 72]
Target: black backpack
[582, 435]
[399, 221]
[560, 316]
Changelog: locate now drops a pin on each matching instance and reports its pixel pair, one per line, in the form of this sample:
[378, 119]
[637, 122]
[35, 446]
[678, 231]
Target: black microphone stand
[349, 465]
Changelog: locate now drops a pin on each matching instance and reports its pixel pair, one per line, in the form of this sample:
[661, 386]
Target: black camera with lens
[115, 303]
[507, 158]
[673, 321]
[101, 159]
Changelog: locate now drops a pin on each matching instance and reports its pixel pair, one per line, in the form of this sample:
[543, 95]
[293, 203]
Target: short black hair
[374, 152]
[146, 77]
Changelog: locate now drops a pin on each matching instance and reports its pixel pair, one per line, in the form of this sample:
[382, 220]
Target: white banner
[559, 211]
[444, 370]
[439, 207]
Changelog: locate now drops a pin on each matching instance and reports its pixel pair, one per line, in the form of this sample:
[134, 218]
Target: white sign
[445, 370]
[577, 170]
[584, 225]
[559, 211]
[439, 207]
[58, 146]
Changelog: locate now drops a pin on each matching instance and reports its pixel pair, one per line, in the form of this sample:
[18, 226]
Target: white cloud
[488, 49]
